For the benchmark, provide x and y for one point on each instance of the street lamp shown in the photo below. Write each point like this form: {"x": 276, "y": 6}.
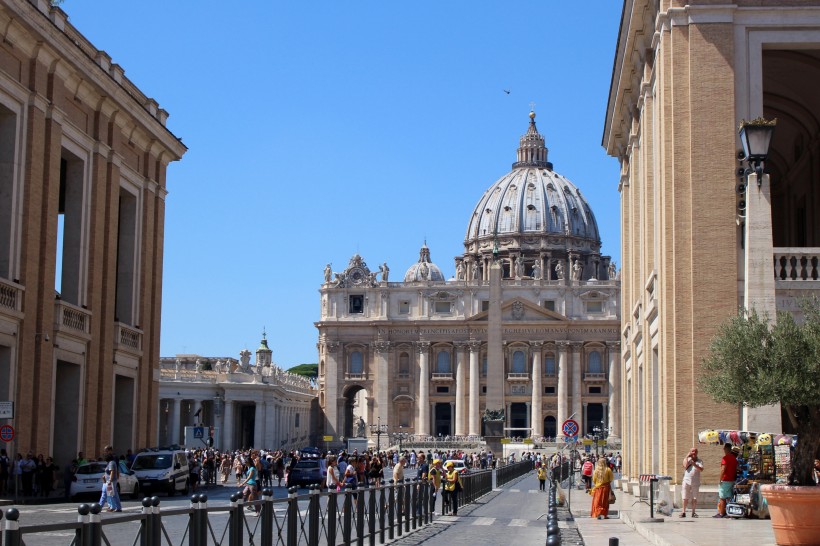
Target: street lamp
{"x": 400, "y": 436}
{"x": 756, "y": 136}
{"x": 597, "y": 435}
{"x": 378, "y": 430}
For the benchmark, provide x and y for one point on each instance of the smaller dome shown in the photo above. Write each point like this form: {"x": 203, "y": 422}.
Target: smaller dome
{"x": 424, "y": 269}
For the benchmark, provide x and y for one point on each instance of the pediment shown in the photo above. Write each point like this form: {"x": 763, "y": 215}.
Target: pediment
{"x": 520, "y": 310}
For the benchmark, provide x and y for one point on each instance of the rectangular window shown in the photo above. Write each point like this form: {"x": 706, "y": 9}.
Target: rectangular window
{"x": 484, "y": 389}
{"x": 549, "y": 305}
{"x": 444, "y": 307}
{"x": 296, "y": 421}
{"x": 356, "y": 304}
{"x": 549, "y": 390}
{"x": 485, "y": 305}
{"x": 8, "y": 195}
{"x": 595, "y": 307}
{"x": 404, "y": 307}
{"x": 595, "y": 390}
{"x": 126, "y": 259}
{"x": 442, "y": 390}
{"x": 70, "y": 228}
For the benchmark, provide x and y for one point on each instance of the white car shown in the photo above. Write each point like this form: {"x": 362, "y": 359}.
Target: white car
{"x": 88, "y": 480}
{"x": 458, "y": 465}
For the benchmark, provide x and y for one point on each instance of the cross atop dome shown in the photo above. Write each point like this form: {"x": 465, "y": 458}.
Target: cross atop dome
{"x": 532, "y": 152}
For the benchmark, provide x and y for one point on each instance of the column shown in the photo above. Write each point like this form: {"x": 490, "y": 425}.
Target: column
{"x": 173, "y": 422}
{"x": 452, "y": 411}
{"x": 227, "y": 429}
{"x": 576, "y": 385}
{"x": 508, "y": 420}
{"x": 758, "y": 287}
{"x": 382, "y": 383}
{"x": 461, "y": 368}
{"x": 536, "y": 418}
{"x": 529, "y": 419}
{"x": 258, "y": 421}
{"x": 423, "y": 423}
{"x": 584, "y": 421}
{"x": 332, "y": 425}
{"x": 614, "y": 418}
{"x": 495, "y": 344}
{"x": 563, "y": 395}
{"x": 474, "y": 420}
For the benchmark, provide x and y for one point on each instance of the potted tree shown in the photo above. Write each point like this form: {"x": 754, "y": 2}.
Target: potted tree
{"x": 755, "y": 363}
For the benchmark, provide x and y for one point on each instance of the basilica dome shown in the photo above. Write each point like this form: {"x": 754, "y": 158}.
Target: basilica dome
{"x": 534, "y": 215}
{"x": 424, "y": 269}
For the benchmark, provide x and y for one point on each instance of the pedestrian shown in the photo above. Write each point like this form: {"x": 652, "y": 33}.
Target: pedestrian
{"x": 332, "y": 481}
{"x": 110, "y": 479}
{"x": 421, "y": 474}
{"x": 435, "y": 475}
{"x": 586, "y": 473}
{"x": 602, "y": 489}
{"x": 728, "y": 474}
{"x": 250, "y": 482}
{"x": 452, "y": 485}
{"x": 541, "y": 472}
{"x": 816, "y": 471}
{"x": 398, "y": 478}
{"x": 692, "y": 467}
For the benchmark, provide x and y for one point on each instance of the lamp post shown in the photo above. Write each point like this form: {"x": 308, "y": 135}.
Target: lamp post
{"x": 759, "y": 282}
{"x": 400, "y": 436}
{"x": 378, "y": 429}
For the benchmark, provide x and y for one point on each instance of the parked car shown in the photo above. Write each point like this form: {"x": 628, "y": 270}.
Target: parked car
{"x": 308, "y": 471}
{"x": 88, "y": 480}
{"x": 162, "y": 470}
{"x": 458, "y": 465}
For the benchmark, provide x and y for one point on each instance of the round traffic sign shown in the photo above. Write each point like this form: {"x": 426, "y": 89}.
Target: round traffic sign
{"x": 570, "y": 427}
{"x": 7, "y": 433}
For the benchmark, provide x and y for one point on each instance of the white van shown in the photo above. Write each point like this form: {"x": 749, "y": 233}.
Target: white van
{"x": 162, "y": 470}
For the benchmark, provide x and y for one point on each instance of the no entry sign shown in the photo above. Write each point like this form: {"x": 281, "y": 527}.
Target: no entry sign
{"x": 570, "y": 427}
{"x": 7, "y": 433}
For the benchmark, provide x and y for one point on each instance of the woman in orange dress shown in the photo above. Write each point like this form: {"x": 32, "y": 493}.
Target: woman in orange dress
{"x": 602, "y": 486}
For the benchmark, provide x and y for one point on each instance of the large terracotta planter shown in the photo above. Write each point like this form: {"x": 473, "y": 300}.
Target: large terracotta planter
{"x": 795, "y": 513}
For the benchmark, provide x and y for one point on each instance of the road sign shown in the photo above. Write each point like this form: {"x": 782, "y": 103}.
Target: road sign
{"x": 505, "y": 440}
{"x": 7, "y": 433}
{"x": 199, "y": 432}
{"x": 6, "y": 409}
{"x": 570, "y": 427}
{"x": 587, "y": 441}
{"x": 527, "y": 440}
{"x": 327, "y": 438}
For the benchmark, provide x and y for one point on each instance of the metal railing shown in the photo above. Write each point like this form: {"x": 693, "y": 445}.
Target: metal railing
{"x": 505, "y": 474}
{"x": 352, "y": 516}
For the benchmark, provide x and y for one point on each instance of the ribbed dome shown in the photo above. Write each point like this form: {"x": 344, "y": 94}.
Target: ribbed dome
{"x": 531, "y": 200}
{"x": 424, "y": 269}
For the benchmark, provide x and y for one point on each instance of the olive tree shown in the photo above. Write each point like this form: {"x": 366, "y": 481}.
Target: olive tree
{"x": 755, "y": 363}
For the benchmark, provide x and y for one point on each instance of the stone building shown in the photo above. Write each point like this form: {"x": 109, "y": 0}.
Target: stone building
{"x": 528, "y": 323}
{"x": 83, "y": 159}
{"x": 249, "y": 404}
{"x": 701, "y": 236}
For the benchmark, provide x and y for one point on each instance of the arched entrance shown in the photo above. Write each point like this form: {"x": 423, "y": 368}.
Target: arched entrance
{"x": 355, "y": 416}
{"x": 550, "y": 427}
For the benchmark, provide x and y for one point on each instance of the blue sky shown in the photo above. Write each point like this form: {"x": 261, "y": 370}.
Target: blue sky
{"x": 320, "y": 129}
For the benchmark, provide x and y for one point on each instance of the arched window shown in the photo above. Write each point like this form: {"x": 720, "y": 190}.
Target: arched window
{"x": 443, "y": 362}
{"x": 549, "y": 365}
{"x": 322, "y": 367}
{"x": 484, "y": 365}
{"x": 595, "y": 362}
{"x": 519, "y": 362}
{"x": 356, "y": 362}
{"x": 404, "y": 364}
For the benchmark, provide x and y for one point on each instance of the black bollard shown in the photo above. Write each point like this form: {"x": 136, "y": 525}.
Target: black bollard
{"x": 613, "y": 541}
{"x": 554, "y": 540}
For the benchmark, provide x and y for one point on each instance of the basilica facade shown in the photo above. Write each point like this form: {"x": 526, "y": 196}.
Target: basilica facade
{"x": 528, "y": 324}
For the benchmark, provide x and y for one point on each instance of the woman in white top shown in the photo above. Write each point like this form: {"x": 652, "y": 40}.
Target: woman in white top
{"x": 332, "y": 482}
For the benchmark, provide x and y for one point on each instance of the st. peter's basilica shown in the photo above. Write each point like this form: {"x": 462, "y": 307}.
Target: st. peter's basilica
{"x": 529, "y": 324}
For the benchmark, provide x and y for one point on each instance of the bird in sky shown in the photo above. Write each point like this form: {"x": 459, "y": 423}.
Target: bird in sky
{"x": 507, "y": 91}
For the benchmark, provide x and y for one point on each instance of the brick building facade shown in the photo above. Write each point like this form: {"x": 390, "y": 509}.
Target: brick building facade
{"x": 83, "y": 158}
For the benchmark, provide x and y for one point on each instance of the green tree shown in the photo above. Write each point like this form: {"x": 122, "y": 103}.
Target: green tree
{"x": 756, "y": 364}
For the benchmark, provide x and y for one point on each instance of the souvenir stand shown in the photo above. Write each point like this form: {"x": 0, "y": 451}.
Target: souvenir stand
{"x": 762, "y": 458}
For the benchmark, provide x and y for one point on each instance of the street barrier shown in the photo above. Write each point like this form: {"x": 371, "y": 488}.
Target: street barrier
{"x": 505, "y": 474}
{"x": 352, "y": 516}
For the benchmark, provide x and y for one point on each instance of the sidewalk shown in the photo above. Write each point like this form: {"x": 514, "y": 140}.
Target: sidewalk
{"x": 668, "y": 531}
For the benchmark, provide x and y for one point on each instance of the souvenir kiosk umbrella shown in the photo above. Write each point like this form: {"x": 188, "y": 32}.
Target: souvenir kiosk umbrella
{"x": 762, "y": 458}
